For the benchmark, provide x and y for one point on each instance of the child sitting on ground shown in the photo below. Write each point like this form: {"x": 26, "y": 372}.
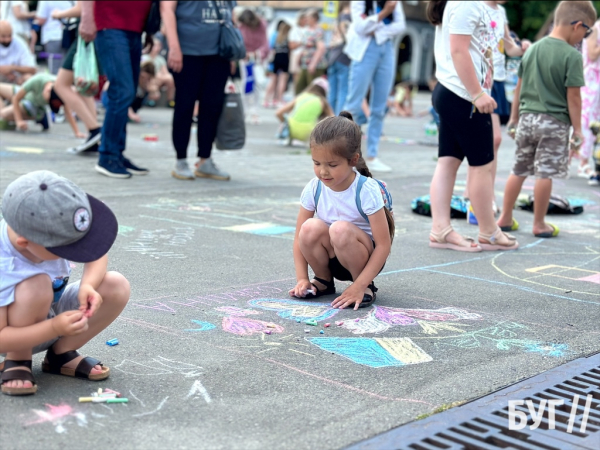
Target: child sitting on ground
{"x": 548, "y": 100}
{"x": 49, "y": 221}
{"x": 32, "y": 98}
{"x": 305, "y": 111}
{"x": 344, "y": 228}
{"x": 400, "y": 102}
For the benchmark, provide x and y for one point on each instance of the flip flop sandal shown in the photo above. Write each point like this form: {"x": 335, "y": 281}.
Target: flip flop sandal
{"x": 83, "y": 370}
{"x": 368, "y": 300}
{"x": 549, "y": 234}
{"x": 17, "y": 374}
{"x": 514, "y": 226}
{"x": 329, "y": 289}
{"x": 441, "y": 242}
{"x": 492, "y": 245}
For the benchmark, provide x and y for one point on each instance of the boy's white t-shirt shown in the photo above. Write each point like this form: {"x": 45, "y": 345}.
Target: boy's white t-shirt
{"x": 498, "y": 22}
{"x": 52, "y": 30}
{"x": 14, "y": 268}
{"x": 334, "y": 206}
{"x": 466, "y": 18}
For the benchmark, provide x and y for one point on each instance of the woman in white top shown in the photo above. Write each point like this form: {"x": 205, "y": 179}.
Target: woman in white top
{"x": 369, "y": 46}
{"x": 464, "y": 40}
{"x": 17, "y": 13}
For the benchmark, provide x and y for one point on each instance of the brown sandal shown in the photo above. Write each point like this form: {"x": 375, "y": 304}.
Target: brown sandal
{"x": 17, "y": 374}
{"x": 441, "y": 242}
{"x": 83, "y": 370}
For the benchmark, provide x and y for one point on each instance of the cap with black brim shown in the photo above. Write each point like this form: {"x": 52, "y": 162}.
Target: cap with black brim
{"x": 97, "y": 241}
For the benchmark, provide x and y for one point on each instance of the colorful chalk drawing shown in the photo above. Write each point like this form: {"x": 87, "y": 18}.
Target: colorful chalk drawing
{"x": 204, "y": 326}
{"x": 159, "y": 366}
{"x": 158, "y": 243}
{"x": 58, "y": 416}
{"x": 569, "y": 273}
{"x": 125, "y": 230}
{"x": 503, "y": 336}
{"x": 235, "y": 311}
{"x": 431, "y": 321}
{"x": 376, "y": 353}
{"x": 296, "y": 309}
{"x": 247, "y": 327}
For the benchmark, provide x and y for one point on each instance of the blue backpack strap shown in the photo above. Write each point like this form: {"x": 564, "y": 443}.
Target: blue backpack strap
{"x": 361, "y": 182}
{"x": 317, "y": 194}
{"x": 387, "y": 196}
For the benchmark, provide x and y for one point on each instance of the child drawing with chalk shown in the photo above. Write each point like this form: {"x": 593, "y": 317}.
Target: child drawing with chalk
{"x": 345, "y": 226}
{"x": 47, "y": 222}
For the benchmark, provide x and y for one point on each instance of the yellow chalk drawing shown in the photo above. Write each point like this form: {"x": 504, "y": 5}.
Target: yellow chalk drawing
{"x": 250, "y": 227}
{"x": 34, "y": 150}
{"x": 404, "y": 350}
{"x": 582, "y": 272}
{"x": 434, "y": 327}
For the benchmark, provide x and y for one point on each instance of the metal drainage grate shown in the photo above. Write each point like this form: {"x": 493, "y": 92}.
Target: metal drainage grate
{"x": 484, "y": 423}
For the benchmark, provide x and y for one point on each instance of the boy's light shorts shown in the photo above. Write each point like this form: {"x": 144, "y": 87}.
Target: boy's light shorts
{"x": 542, "y": 147}
{"x": 68, "y": 302}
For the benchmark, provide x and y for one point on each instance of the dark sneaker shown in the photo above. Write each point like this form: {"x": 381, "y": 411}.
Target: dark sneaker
{"x": 112, "y": 169}
{"x": 594, "y": 180}
{"x": 135, "y": 170}
{"x": 44, "y": 122}
{"x": 210, "y": 170}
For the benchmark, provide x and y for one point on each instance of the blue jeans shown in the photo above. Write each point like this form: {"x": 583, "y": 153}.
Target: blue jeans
{"x": 119, "y": 52}
{"x": 337, "y": 75}
{"x": 376, "y": 70}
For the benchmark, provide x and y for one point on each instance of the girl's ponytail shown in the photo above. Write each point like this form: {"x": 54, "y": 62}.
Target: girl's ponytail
{"x": 362, "y": 168}
{"x": 435, "y": 11}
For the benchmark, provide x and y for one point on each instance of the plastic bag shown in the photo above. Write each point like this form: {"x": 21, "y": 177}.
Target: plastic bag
{"x": 85, "y": 68}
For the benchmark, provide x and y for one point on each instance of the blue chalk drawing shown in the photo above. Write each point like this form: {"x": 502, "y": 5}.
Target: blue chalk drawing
{"x": 204, "y": 326}
{"x": 296, "y": 309}
{"x": 557, "y": 350}
{"x": 273, "y": 230}
{"x": 364, "y": 351}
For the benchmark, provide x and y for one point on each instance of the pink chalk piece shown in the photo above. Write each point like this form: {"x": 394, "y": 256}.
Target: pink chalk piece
{"x": 327, "y": 325}
{"x": 110, "y": 391}
{"x": 357, "y": 320}
{"x": 267, "y": 331}
{"x": 592, "y": 278}
{"x": 339, "y": 323}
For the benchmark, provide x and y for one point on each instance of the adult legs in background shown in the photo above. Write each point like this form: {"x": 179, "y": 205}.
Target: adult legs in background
{"x": 112, "y": 47}
{"x": 590, "y": 112}
{"x": 270, "y": 96}
{"x": 55, "y": 55}
{"x": 282, "y": 82}
{"x": 333, "y": 87}
{"x": 359, "y": 80}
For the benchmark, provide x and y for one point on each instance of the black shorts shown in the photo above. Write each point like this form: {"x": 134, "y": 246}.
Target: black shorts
{"x": 499, "y": 94}
{"x": 281, "y": 63}
{"x": 460, "y": 134}
{"x": 340, "y": 272}
{"x": 68, "y": 61}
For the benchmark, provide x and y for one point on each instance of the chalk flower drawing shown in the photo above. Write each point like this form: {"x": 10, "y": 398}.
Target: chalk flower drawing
{"x": 245, "y": 327}
{"x": 296, "y": 309}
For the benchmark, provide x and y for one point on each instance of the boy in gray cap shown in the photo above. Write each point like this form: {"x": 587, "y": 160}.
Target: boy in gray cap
{"x": 49, "y": 221}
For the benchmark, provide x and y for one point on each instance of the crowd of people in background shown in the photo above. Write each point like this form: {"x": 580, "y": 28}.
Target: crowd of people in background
{"x": 303, "y": 69}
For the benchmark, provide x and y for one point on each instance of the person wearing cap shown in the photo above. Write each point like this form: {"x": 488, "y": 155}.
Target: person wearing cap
{"x": 301, "y": 115}
{"x": 47, "y": 222}
{"x": 32, "y": 98}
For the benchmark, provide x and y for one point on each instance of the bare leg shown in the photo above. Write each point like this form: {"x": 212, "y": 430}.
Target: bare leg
{"x": 6, "y": 91}
{"x": 282, "y": 81}
{"x": 64, "y": 88}
{"x": 352, "y": 246}
{"x": 33, "y": 299}
{"x": 7, "y": 113}
{"x": 541, "y": 194}
{"x": 440, "y": 193}
{"x": 270, "y": 91}
{"x": 497, "y": 142}
{"x": 316, "y": 248}
{"x": 511, "y": 192}
{"x": 114, "y": 290}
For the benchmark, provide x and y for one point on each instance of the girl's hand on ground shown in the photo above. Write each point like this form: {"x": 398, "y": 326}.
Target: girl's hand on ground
{"x": 353, "y": 295}
{"x": 301, "y": 289}
{"x": 70, "y": 323}
{"x": 89, "y": 300}
{"x": 486, "y": 104}
{"x": 21, "y": 125}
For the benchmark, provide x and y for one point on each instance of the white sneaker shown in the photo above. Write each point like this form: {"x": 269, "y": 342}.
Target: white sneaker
{"x": 377, "y": 166}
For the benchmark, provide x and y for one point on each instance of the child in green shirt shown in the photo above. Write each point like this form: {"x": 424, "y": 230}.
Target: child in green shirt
{"x": 547, "y": 103}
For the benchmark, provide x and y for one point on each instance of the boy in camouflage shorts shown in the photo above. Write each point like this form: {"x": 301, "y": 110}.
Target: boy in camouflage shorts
{"x": 547, "y": 103}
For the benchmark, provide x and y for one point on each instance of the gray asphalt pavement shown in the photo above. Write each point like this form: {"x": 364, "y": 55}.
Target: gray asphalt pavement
{"x": 210, "y": 264}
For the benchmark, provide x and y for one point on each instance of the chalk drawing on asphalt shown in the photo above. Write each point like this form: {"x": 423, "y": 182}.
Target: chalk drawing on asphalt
{"x": 202, "y": 326}
{"x": 296, "y": 309}
{"x": 243, "y": 326}
{"x": 374, "y": 352}
{"x": 235, "y": 311}
{"x": 158, "y": 366}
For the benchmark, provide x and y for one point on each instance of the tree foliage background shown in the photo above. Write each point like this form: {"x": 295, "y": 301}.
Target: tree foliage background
{"x": 528, "y": 17}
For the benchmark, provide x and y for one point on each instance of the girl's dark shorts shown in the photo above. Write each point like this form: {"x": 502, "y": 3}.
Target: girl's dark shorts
{"x": 499, "y": 94}
{"x": 340, "y": 272}
{"x": 462, "y": 135}
{"x": 281, "y": 63}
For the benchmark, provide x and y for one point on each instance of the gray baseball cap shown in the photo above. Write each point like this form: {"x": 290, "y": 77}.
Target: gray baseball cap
{"x": 55, "y": 213}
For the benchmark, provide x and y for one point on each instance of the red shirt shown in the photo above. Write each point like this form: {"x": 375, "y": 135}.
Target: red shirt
{"x": 121, "y": 14}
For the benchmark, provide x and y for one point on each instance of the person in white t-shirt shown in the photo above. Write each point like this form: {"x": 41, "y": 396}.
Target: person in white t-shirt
{"x": 504, "y": 45}
{"x": 18, "y": 63}
{"x": 464, "y": 40}
{"x": 17, "y": 13}
{"x": 344, "y": 228}
{"x": 52, "y": 31}
{"x": 295, "y": 41}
